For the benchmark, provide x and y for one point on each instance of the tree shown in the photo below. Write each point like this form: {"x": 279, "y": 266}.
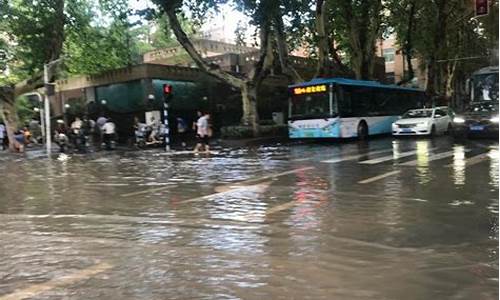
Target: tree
{"x": 264, "y": 18}
{"x": 361, "y": 22}
{"x": 329, "y": 62}
{"x": 240, "y": 33}
{"x": 37, "y": 34}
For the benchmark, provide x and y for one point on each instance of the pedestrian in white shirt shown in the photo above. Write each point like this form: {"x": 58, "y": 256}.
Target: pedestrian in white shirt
{"x": 203, "y": 133}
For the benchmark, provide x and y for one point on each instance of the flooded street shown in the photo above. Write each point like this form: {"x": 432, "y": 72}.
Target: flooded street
{"x": 385, "y": 219}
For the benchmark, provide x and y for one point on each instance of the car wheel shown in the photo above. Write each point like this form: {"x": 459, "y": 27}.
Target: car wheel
{"x": 362, "y": 131}
{"x": 433, "y": 131}
{"x": 449, "y": 130}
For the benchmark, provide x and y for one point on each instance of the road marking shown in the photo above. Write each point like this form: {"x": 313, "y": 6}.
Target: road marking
{"x": 472, "y": 160}
{"x": 256, "y": 188}
{"x": 382, "y": 176}
{"x": 351, "y": 194}
{"x": 431, "y": 158}
{"x": 281, "y": 207}
{"x": 231, "y": 185}
{"x": 37, "y": 289}
{"x": 390, "y": 157}
{"x": 352, "y": 157}
{"x": 272, "y": 176}
{"x": 146, "y": 191}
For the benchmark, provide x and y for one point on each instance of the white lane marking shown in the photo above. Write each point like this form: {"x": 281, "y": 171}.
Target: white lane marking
{"x": 36, "y": 289}
{"x": 281, "y": 207}
{"x": 352, "y": 157}
{"x": 231, "y": 184}
{"x": 473, "y": 160}
{"x": 146, "y": 191}
{"x": 431, "y": 158}
{"x": 382, "y": 176}
{"x": 253, "y": 188}
{"x": 274, "y": 175}
{"x": 390, "y": 157}
{"x": 351, "y": 194}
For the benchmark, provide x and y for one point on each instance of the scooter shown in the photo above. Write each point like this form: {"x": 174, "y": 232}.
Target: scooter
{"x": 62, "y": 141}
{"x": 143, "y": 137}
{"x": 109, "y": 142}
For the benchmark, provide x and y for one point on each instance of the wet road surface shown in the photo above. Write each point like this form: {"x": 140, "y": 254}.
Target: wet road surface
{"x": 385, "y": 219}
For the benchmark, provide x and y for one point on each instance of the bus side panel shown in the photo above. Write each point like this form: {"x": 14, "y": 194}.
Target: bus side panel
{"x": 380, "y": 125}
{"x": 349, "y": 127}
{"x": 376, "y": 125}
{"x": 315, "y": 128}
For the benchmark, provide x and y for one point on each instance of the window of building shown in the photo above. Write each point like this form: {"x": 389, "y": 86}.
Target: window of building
{"x": 389, "y": 54}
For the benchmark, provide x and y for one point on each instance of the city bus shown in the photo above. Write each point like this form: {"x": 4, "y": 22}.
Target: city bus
{"x": 346, "y": 108}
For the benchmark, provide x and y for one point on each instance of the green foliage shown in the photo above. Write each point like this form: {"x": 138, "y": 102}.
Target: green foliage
{"x": 25, "y": 110}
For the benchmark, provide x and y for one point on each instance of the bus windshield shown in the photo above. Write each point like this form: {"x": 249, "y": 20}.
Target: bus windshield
{"x": 310, "y": 106}
{"x": 485, "y": 87}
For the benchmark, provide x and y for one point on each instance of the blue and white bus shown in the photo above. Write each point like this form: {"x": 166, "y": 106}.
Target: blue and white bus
{"x": 346, "y": 108}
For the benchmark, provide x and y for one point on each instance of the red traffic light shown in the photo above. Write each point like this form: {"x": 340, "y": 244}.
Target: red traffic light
{"x": 167, "y": 89}
{"x": 481, "y": 7}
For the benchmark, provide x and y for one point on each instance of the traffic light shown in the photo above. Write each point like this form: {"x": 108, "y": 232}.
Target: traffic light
{"x": 167, "y": 89}
{"x": 481, "y": 7}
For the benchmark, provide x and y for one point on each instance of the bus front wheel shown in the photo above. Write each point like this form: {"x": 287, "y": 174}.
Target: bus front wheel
{"x": 362, "y": 130}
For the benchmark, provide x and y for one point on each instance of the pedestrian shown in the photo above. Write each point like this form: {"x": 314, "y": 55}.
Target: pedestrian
{"x": 155, "y": 127}
{"x": 101, "y": 121}
{"x": 36, "y": 131}
{"x": 182, "y": 129}
{"x": 19, "y": 140}
{"x": 109, "y": 133}
{"x": 3, "y": 133}
{"x": 202, "y": 134}
{"x": 27, "y": 135}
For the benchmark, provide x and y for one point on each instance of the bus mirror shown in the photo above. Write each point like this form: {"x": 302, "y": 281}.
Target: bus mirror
{"x": 467, "y": 86}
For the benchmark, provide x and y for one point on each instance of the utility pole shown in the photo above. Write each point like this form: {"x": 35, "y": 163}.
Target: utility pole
{"x": 167, "y": 95}
{"x": 48, "y": 90}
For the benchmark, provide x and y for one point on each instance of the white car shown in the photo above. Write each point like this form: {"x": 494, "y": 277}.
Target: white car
{"x": 425, "y": 121}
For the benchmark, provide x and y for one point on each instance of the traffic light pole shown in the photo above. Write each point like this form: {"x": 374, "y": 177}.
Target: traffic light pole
{"x": 165, "y": 121}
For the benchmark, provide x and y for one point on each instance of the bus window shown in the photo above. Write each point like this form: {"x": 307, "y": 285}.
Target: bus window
{"x": 312, "y": 105}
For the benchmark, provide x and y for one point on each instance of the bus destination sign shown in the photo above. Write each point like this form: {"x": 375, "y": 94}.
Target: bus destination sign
{"x": 309, "y": 89}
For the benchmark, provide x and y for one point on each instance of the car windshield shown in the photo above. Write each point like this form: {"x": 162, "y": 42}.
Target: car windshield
{"x": 421, "y": 113}
{"x": 484, "y": 107}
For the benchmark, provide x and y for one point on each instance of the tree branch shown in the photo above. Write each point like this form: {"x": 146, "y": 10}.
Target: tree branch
{"x": 193, "y": 53}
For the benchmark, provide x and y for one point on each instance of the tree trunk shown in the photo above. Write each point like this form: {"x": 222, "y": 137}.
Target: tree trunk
{"x": 408, "y": 46}
{"x": 286, "y": 66}
{"x": 248, "y": 87}
{"x": 323, "y": 67}
{"x": 249, "y": 93}
{"x": 439, "y": 37}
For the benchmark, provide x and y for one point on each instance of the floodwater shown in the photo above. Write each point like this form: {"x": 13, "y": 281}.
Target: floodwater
{"x": 386, "y": 219}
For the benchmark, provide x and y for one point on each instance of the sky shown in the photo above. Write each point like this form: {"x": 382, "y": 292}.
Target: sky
{"x": 225, "y": 21}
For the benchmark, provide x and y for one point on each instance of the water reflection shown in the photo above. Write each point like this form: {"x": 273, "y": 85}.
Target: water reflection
{"x": 494, "y": 168}
{"x": 459, "y": 165}
{"x": 423, "y": 175}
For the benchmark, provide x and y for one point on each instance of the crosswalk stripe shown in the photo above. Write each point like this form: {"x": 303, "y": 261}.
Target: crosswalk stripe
{"x": 473, "y": 160}
{"x": 390, "y": 157}
{"x": 352, "y": 157}
{"x": 382, "y": 176}
{"x": 431, "y": 158}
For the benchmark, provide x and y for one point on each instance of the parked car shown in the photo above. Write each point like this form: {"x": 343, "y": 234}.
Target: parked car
{"x": 480, "y": 119}
{"x": 424, "y": 121}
